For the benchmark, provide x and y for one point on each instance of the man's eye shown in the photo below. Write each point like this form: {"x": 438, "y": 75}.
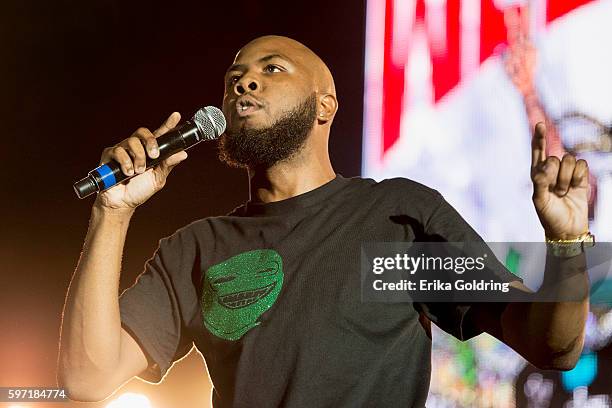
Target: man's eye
{"x": 272, "y": 68}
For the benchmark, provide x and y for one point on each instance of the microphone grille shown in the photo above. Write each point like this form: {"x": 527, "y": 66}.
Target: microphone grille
{"x": 211, "y": 122}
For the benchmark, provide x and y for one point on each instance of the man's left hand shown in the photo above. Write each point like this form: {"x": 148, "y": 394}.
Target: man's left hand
{"x": 560, "y": 190}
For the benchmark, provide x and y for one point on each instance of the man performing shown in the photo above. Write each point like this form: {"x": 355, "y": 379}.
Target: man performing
{"x": 270, "y": 294}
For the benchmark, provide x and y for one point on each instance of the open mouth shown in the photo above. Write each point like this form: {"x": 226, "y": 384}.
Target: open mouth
{"x": 245, "y": 298}
{"x": 245, "y": 106}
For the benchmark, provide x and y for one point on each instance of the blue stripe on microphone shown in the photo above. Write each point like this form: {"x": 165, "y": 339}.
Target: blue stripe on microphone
{"x": 107, "y": 176}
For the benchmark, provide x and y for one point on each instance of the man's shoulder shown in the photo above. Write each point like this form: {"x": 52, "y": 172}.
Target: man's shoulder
{"x": 396, "y": 187}
{"x": 193, "y": 231}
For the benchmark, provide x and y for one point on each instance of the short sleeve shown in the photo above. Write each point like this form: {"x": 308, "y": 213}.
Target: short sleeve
{"x": 158, "y": 308}
{"x": 446, "y": 224}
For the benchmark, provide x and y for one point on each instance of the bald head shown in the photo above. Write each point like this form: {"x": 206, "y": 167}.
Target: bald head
{"x": 320, "y": 75}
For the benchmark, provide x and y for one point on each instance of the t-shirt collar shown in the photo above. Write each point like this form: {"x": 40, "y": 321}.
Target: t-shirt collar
{"x": 303, "y": 200}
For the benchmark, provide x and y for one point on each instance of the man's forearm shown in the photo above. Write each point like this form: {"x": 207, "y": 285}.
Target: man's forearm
{"x": 549, "y": 331}
{"x": 91, "y": 326}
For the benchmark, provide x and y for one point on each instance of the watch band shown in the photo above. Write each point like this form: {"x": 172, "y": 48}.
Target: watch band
{"x": 567, "y": 248}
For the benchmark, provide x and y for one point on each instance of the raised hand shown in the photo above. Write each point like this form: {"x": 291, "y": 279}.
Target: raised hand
{"x": 131, "y": 155}
{"x": 560, "y": 190}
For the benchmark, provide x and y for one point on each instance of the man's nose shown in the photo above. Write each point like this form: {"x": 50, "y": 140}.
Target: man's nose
{"x": 246, "y": 83}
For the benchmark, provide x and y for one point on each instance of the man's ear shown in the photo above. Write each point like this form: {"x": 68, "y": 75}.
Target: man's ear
{"x": 327, "y": 107}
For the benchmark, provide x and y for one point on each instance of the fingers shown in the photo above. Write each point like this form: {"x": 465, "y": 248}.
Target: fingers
{"x": 169, "y": 124}
{"x": 148, "y": 141}
{"x": 538, "y": 146}
{"x": 570, "y": 173}
{"x": 544, "y": 176}
{"x": 131, "y": 153}
{"x": 121, "y": 156}
{"x": 580, "y": 177}
{"x": 161, "y": 172}
{"x": 175, "y": 159}
{"x": 565, "y": 174}
{"x": 559, "y": 176}
{"x": 136, "y": 149}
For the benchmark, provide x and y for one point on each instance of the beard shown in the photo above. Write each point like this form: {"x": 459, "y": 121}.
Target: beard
{"x": 265, "y": 147}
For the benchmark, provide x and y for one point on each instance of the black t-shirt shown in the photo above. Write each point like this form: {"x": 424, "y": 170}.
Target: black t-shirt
{"x": 270, "y": 295}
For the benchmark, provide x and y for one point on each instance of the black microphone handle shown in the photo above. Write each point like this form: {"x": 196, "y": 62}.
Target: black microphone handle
{"x": 110, "y": 174}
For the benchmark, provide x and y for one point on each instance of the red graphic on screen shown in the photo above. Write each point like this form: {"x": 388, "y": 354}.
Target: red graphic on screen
{"x": 450, "y": 57}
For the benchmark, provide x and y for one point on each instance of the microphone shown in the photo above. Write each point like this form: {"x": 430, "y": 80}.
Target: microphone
{"x": 208, "y": 123}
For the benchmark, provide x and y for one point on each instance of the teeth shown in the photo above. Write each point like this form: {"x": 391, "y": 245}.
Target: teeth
{"x": 244, "y": 105}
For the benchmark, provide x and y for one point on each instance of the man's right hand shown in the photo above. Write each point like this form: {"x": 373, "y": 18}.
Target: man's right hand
{"x": 131, "y": 155}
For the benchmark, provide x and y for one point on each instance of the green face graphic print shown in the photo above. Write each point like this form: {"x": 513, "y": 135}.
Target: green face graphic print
{"x": 238, "y": 290}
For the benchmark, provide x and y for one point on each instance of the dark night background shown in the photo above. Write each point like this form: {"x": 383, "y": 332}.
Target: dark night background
{"x": 77, "y": 76}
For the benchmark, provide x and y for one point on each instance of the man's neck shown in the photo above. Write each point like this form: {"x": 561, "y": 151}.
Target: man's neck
{"x": 289, "y": 179}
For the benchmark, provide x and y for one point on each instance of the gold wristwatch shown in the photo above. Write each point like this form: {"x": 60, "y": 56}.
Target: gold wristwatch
{"x": 567, "y": 248}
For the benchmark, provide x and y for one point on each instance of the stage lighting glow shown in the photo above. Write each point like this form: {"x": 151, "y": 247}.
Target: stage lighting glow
{"x": 130, "y": 400}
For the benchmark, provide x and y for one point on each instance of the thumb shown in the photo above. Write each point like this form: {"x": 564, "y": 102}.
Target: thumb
{"x": 166, "y": 166}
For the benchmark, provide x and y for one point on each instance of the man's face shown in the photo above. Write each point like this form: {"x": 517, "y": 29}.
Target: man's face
{"x": 268, "y": 102}
{"x": 267, "y": 77}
